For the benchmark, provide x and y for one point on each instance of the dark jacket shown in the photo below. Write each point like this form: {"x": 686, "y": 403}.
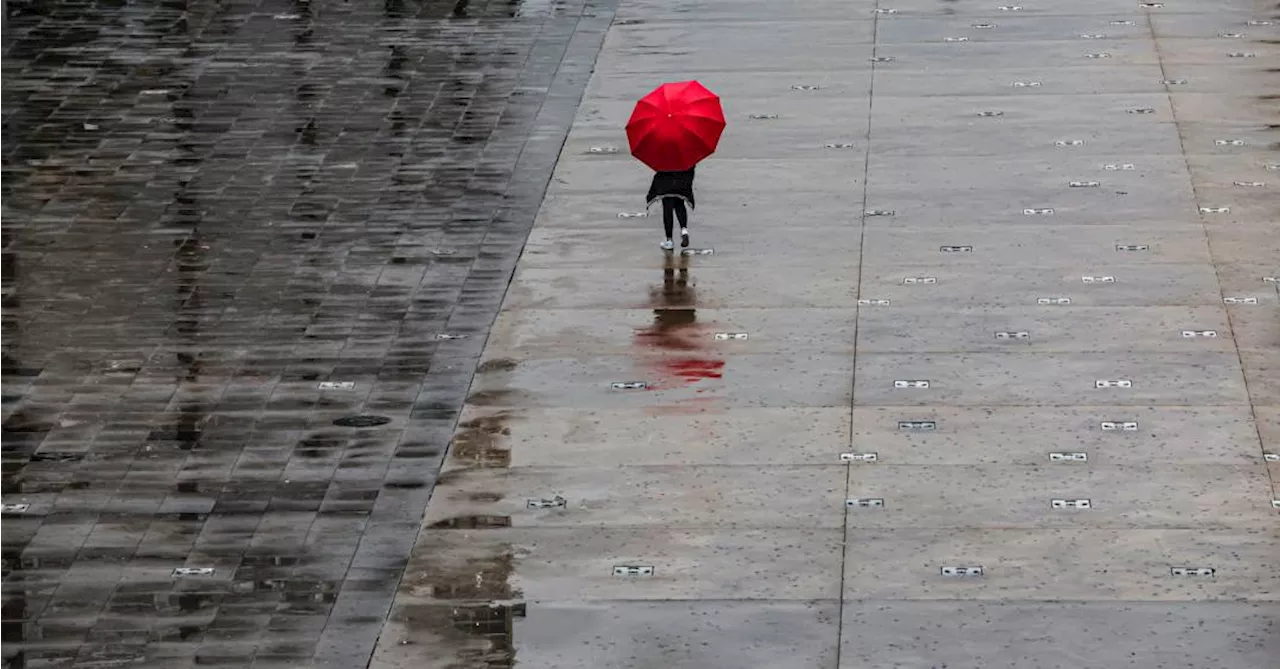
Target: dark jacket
{"x": 672, "y": 184}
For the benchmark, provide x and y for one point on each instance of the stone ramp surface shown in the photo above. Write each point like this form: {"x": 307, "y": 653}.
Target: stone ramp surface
{"x": 981, "y": 371}
{"x": 973, "y": 362}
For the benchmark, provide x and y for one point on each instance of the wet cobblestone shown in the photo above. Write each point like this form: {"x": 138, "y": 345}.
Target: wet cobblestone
{"x": 210, "y": 209}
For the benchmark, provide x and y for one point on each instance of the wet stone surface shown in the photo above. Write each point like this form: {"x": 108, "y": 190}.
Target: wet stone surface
{"x": 210, "y": 210}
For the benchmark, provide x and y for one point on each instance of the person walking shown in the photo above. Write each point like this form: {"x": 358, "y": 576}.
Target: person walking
{"x": 675, "y": 189}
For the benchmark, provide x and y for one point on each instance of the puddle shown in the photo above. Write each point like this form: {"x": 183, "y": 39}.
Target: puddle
{"x": 362, "y": 421}
{"x": 463, "y": 572}
{"x": 490, "y": 397}
{"x": 672, "y": 330}
{"x": 470, "y": 624}
{"x": 676, "y": 328}
{"x": 480, "y": 442}
{"x": 676, "y": 289}
{"x": 693, "y": 370}
{"x": 471, "y": 635}
{"x": 472, "y": 523}
{"x": 497, "y": 365}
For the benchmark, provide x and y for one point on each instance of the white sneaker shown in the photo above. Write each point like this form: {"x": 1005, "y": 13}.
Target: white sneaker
{"x": 668, "y": 244}
{"x": 684, "y": 238}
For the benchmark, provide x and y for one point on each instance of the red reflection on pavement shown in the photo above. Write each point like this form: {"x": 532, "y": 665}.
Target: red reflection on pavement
{"x": 694, "y": 369}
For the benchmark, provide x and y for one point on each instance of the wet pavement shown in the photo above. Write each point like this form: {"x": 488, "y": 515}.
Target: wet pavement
{"x": 973, "y": 362}
{"x": 251, "y": 255}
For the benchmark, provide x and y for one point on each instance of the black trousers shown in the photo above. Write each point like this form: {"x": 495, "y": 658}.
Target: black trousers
{"x": 673, "y": 206}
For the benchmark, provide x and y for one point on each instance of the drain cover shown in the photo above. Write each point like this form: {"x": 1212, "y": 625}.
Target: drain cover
{"x": 362, "y": 421}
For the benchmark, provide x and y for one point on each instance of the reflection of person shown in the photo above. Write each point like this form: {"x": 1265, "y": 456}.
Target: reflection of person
{"x": 677, "y": 290}
{"x": 675, "y": 189}
{"x": 675, "y": 318}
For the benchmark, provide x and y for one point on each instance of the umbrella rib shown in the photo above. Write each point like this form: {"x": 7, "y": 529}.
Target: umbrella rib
{"x": 706, "y": 146}
{"x": 712, "y": 115}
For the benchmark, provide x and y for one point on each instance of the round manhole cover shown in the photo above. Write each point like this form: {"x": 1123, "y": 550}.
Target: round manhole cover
{"x": 362, "y": 421}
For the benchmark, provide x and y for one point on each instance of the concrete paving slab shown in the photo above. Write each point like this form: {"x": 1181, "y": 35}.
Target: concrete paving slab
{"x": 755, "y": 140}
{"x": 549, "y": 437}
{"x": 718, "y": 208}
{"x": 795, "y": 112}
{"x": 1234, "y": 19}
{"x": 1046, "y": 55}
{"x": 762, "y": 54}
{"x": 710, "y": 288}
{"x": 880, "y": 634}
{"x": 1149, "y": 285}
{"x": 1004, "y": 497}
{"x": 1247, "y": 210}
{"x": 1248, "y": 280}
{"x": 1018, "y": 28}
{"x": 686, "y": 635}
{"x": 1082, "y": 246}
{"x": 591, "y": 635}
{"x": 1037, "y": 330}
{"x": 1202, "y": 78}
{"x": 683, "y": 497}
{"x": 1212, "y": 107}
{"x": 1268, "y": 418}
{"x": 1051, "y": 170}
{"x": 995, "y": 379}
{"x": 1255, "y": 329}
{"x": 1244, "y": 242}
{"x": 1177, "y": 51}
{"x": 701, "y": 379}
{"x": 656, "y": 11}
{"x": 810, "y": 176}
{"x": 589, "y": 301}
{"x": 1223, "y": 171}
{"x": 527, "y": 333}
{"x": 1062, "y": 565}
{"x": 1252, "y": 144}
{"x": 1085, "y": 7}
{"x": 700, "y": 39}
{"x": 1262, "y": 372}
{"x": 1060, "y": 208}
{"x": 578, "y": 564}
{"x": 819, "y": 85}
{"x": 1268, "y": 424}
{"x": 736, "y": 246}
{"x": 984, "y": 138}
{"x": 1027, "y": 435}
{"x": 1059, "y": 81}
{"x": 1109, "y": 113}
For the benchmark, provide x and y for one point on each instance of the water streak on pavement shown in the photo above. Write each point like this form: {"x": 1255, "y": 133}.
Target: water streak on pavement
{"x": 209, "y": 209}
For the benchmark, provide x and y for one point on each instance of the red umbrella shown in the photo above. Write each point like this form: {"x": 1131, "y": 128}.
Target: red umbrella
{"x": 675, "y": 126}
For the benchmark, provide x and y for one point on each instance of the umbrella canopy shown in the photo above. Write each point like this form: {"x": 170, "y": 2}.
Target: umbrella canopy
{"x": 675, "y": 126}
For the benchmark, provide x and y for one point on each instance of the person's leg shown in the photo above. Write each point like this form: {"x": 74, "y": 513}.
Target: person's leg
{"x": 683, "y": 214}
{"x": 668, "y": 212}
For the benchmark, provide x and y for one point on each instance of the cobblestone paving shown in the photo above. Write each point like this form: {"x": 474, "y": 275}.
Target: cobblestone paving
{"x": 211, "y": 209}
